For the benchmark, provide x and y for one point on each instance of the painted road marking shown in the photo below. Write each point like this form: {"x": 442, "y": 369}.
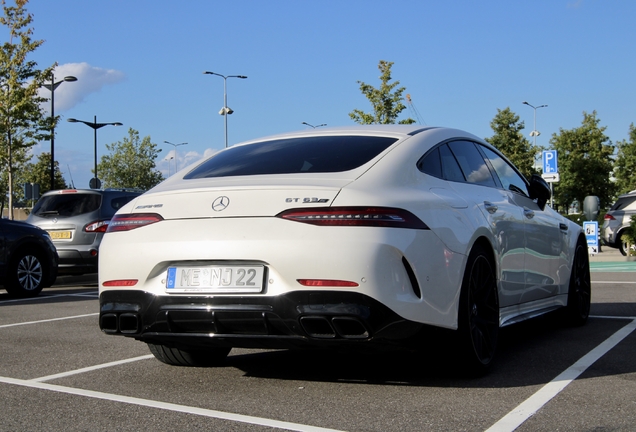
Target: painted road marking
{"x": 530, "y": 406}
{"x": 48, "y": 320}
{"x": 259, "y": 421}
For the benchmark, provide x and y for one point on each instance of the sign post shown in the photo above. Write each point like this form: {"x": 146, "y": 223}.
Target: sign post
{"x": 550, "y": 170}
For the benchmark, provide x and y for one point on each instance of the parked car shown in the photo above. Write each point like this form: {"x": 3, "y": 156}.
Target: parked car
{"x": 366, "y": 236}
{"x": 28, "y": 260}
{"x": 77, "y": 219}
{"x": 617, "y": 219}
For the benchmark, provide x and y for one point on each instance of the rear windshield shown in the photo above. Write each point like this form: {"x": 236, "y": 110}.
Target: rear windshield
{"x": 322, "y": 154}
{"x": 623, "y": 202}
{"x": 67, "y": 205}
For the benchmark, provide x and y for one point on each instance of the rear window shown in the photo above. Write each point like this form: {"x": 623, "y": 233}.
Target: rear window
{"x": 322, "y": 154}
{"x": 623, "y": 202}
{"x": 67, "y": 205}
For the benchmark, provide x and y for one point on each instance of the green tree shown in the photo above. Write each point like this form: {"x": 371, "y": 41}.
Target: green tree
{"x": 22, "y": 120}
{"x": 40, "y": 172}
{"x": 386, "y": 101}
{"x": 131, "y": 163}
{"x": 585, "y": 163}
{"x": 625, "y": 165}
{"x": 509, "y": 140}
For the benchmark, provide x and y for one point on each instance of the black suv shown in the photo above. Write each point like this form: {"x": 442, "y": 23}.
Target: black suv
{"x": 28, "y": 261}
{"x": 77, "y": 219}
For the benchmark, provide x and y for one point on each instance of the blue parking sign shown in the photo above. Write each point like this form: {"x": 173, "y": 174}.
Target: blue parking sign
{"x": 550, "y": 162}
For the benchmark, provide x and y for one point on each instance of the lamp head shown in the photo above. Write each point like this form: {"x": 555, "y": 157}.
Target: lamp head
{"x": 70, "y": 78}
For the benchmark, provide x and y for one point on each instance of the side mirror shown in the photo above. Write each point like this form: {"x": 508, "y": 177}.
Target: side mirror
{"x": 539, "y": 190}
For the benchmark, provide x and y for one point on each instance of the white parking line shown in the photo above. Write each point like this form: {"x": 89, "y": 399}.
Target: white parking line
{"x": 167, "y": 406}
{"x": 530, "y": 406}
{"x": 92, "y": 368}
{"x": 48, "y": 320}
{"x": 47, "y": 296}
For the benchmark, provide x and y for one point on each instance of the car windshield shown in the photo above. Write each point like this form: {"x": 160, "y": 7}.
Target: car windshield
{"x": 322, "y": 154}
{"x": 67, "y": 204}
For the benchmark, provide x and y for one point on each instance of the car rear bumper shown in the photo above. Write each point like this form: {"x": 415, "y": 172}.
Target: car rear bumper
{"x": 320, "y": 319}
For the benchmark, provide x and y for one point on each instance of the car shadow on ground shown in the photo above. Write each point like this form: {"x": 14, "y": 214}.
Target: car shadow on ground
{"x": 51, "y": 296}
{"x": 530, "y": 353}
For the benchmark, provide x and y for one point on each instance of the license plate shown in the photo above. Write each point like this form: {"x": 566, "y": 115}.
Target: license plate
{"x": 60, "y": 235}
{"x": 215, "y": 279}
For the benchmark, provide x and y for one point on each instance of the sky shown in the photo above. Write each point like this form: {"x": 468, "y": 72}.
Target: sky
{"x": 141, "y": 63}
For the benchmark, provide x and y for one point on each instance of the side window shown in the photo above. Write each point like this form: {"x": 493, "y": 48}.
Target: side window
{"x": 509, "y": 177}
{"x": 431, "y": 164}
{"x": 472, "y": 163}
{"x": 450, "y": 169}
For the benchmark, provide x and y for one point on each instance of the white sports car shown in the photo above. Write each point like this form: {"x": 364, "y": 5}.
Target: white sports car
{"x": 340, "y": 237}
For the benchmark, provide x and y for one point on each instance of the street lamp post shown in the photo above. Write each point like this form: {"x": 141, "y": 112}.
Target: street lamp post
{"x": 52, "y": 88}
{"x": 535, "y": 133}
{"x": 176, "y": 166}
{"x": 324, "y": 124}
{"x": 95, "y": 183}
{"x": 225, "y": 111}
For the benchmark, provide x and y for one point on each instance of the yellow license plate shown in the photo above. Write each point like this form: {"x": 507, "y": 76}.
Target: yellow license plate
{"x": 60, "y": 235}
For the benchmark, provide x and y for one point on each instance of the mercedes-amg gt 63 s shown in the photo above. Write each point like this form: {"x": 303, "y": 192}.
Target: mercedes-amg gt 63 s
{"x": 363, "y": 236}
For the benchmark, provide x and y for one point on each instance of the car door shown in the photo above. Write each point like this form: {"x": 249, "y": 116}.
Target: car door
{"x": 544, "y": 242}
{"x": 504, "y": 217}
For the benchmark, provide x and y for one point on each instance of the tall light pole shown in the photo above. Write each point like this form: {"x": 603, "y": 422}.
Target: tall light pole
{"x": 317, "y": 126}
{"x": 176, "y": 166}
{"x": 535, "y": 133}
{"x": 95, "y": 183}
{"x": 225, "y": 111}
{"x": 52, "y": 88}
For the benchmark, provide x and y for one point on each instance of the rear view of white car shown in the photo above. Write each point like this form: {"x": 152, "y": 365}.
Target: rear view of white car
{"x": 340, "y": 237}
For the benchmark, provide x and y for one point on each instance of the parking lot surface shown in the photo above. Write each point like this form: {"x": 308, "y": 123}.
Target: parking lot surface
{"x": 59, "y": 372}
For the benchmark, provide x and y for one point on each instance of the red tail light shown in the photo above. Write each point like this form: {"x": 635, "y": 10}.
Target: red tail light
{"x": 355, "y": 216}
{"x": 120, "y": 282}
{"x": 326, "y": 283}
{"x": 98, "y": 226}
{"x": 127, "y": 222}
{"x": 609, "y": 217}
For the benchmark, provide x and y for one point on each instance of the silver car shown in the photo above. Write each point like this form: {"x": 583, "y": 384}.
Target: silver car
{"x": 617, "y": 219}
{"x": 76, "y": 220}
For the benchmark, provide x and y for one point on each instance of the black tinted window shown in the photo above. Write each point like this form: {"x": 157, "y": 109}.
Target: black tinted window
{"x": 119, "y": 202}
{"x": 472, "y": 163}
{"x": 450, "y": 168}
{"x": 71, "y": 204}
{"x": 295, "y": 155}
{"x": 510, "y": 179}
{"x": 431, "y": 164}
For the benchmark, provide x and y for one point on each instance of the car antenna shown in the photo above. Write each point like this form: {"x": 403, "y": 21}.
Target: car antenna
{"x": 71, "y": 176}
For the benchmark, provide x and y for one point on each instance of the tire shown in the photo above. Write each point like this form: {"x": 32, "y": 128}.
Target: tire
{"x": 478, "y": 313}
{"x": 580, "y": 289}
{"x": 27, "y": 274}
{"x": 622, "y": 246}
{"x": 195, "y": 358}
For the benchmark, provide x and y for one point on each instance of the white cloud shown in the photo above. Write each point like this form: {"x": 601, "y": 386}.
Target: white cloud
{"x": 90, "y": 79}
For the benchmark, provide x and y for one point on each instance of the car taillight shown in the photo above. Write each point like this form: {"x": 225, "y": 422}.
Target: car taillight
{"x": 98, "y": 226}
{"x": 326, "y": 283}
{"x": 355, "y": 216}
{"x": 609, "y": 217}
{"x": 127, "y": 222}
{"x": 120, "y": 282}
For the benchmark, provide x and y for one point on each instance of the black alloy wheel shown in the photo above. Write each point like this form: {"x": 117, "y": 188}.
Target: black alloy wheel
{"x": 27, "y": 274}
{"x": 478, "y": 313}
{"x": 580, "y": 290}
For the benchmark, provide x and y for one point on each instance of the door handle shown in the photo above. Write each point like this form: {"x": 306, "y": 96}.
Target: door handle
{"x": 490, "y": 207}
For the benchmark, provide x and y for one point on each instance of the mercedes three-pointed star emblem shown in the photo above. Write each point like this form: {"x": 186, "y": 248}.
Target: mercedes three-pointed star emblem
{"x": 220, "y": 203}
